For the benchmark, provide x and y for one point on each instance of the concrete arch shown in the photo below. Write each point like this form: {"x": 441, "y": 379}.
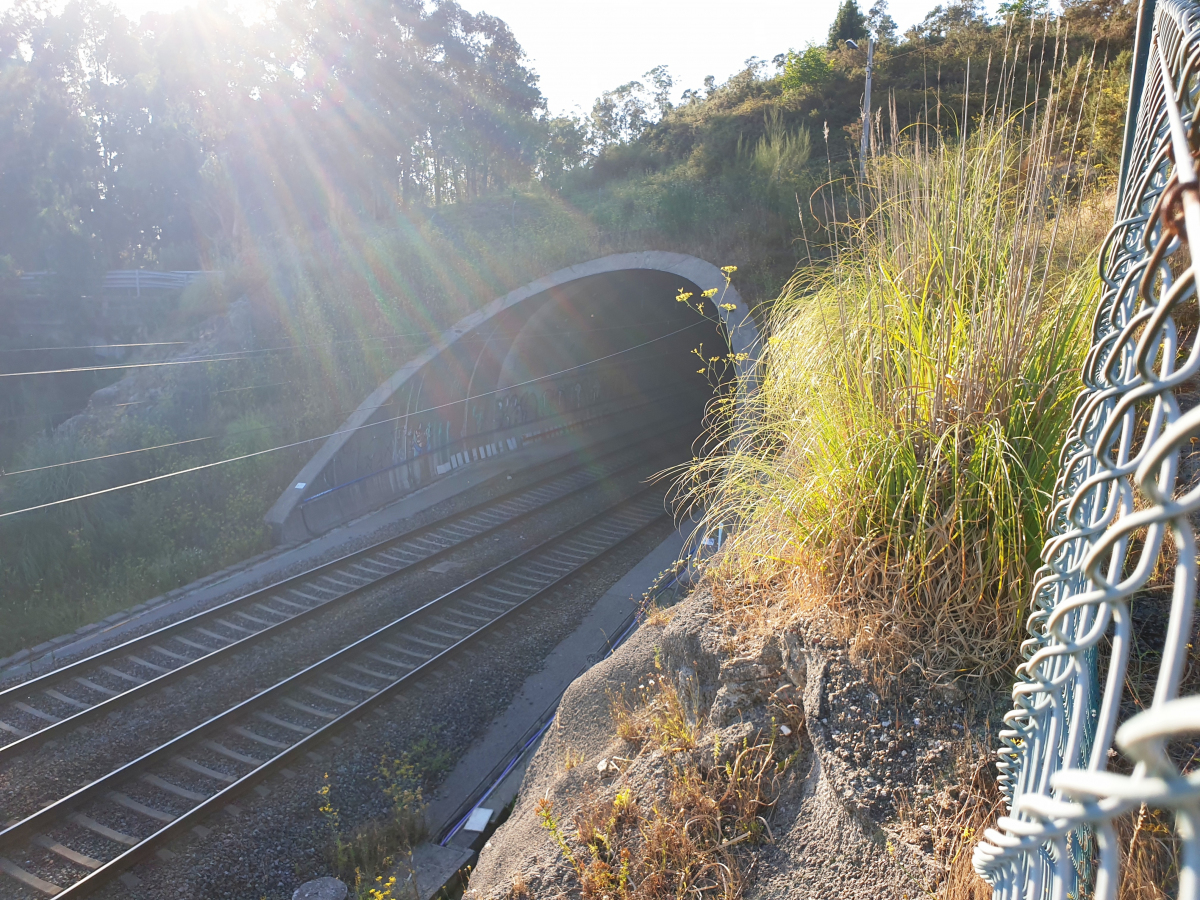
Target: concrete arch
{"x": 467, "y": 361}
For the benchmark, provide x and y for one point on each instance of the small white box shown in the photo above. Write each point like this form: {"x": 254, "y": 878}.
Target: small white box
{"x": 479, "y": 819}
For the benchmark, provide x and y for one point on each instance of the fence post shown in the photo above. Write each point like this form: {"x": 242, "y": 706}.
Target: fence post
{"x": 1137, "y": 81}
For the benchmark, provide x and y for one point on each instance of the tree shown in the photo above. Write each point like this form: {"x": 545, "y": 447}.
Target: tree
{"x": 954, "y": 16}
{"x": 663, "y": 82}
{"x": 881, "y": 24}
{"x": 1102, "y": 20}
{"x": 620, "y": 115}
{"x": 808, "y": 69}
{"x": 849, "y": 25}
{"x": 1023, "y": 9}
{"x": 565, "y": 148}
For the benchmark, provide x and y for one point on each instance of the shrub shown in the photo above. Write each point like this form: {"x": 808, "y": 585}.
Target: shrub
{"x": 891, "y": 460}
{"x": 808, "y": 69}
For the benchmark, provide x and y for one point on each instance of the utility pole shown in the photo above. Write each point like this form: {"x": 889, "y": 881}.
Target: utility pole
{"x": 866, "y": 129}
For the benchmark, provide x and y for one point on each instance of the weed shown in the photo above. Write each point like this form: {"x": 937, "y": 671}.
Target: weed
{"x": 364, "y": 855}
{"x": 572, "y": 758}
{"x": 519, "y": 889}
{"x": 653, "y": 712}
{"x": 620, "y": 850}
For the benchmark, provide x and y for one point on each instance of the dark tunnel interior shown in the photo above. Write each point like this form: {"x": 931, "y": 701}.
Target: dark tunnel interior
{"x": 600, "y": 355}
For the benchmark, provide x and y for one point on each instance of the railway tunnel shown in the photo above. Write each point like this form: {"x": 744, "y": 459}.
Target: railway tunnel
{"x": 593, "y": 351}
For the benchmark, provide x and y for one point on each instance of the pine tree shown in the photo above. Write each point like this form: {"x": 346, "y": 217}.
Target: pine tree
{"x": 849, "y": 25}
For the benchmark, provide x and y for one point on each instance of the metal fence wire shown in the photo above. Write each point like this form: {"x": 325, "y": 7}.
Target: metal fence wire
{"x": 1121, "y": 522}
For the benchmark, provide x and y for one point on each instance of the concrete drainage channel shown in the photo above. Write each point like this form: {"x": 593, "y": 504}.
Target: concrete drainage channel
{"x": 480, "y": 794}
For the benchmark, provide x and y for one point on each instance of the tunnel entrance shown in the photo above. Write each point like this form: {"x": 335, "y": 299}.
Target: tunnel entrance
{"x": 597, "y": 350}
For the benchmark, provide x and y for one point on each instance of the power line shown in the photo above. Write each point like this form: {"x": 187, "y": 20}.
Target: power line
{"x": 208, "y": 437}
{"x": 247, "y": 354}
{"x": 74, "y": 412}
{"x": 105, "y": 456}
{"x": 69, "y": 413}
{"x": 245, "y": 456}
{"x": 93, "y": 347}
{"x": 151, "y": 365}
{"x": 73, "y": 462}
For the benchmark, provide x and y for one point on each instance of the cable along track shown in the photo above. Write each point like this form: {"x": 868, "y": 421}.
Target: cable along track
{"x": 49, "y": 705}
{"x": 79, "y": 843}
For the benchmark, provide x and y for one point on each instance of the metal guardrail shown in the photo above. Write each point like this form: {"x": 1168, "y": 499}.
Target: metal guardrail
{"x": 1121, "y": 521}
{"x": 128, "y": 281}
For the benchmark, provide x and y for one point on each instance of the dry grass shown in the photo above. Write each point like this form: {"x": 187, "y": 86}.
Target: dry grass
{"x": 519, "y": 889}
{"x": 890, "y": 459}
{"x": 572, "y": 758}
{"x": 969, "y": 808}
{"x": 949, "y": 825}
{"x": 653, "y": 713}
{"x": 1149, "y": 856}
{"x": 689, "y": 845}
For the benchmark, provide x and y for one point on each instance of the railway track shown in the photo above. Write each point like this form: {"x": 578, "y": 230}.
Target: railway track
{"x": 48, "y": 706}
{"x": 75, "y": 845}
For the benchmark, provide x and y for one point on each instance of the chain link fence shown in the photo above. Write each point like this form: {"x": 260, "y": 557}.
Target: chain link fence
{"x": 1121, "y": 524}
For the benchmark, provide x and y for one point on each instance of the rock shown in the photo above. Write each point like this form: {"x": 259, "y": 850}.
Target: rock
{"x": 691, "y": 654}
{"x": 794, "y": 661}
{"x": 321, "y": 889}
{"x": 825, "y": 823}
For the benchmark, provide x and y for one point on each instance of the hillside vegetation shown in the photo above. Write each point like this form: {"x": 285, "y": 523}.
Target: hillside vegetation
{"x": 348, "y": 233}
{"x": 892, "y": 460}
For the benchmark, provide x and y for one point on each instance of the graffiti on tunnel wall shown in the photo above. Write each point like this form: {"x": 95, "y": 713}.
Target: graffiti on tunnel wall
{"x": 416, "y": 434}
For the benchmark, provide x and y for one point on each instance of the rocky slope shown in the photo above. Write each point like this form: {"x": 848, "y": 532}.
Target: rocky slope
{"x": 760, "y": 765}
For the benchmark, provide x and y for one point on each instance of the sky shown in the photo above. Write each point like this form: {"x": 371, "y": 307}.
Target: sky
{"x": 579, "y": 50}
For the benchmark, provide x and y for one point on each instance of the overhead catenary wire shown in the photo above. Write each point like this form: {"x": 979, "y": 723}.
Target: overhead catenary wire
{"x": 68, "y": 413}
{"x": 288, "y": 446}
{"x": 93, "y": 347}
{"x": 74, "y": 462}
{"x": 240, "y": 433}
{"x": 237, "y": 355}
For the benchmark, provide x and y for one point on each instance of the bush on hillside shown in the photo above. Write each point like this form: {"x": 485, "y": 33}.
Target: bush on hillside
{"x": 891, "y": 462}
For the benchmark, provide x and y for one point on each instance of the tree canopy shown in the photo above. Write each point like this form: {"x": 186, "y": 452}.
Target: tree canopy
{"x": 177, "y": 141}
{"x": 849, "y": 25}
{"x": 170, "y": 140}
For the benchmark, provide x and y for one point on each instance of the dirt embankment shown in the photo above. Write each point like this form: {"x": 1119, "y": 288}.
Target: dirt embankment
{"x": 755, "y": 766}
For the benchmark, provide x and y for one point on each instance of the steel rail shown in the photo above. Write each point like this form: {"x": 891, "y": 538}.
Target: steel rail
{"x": 51, "y": 680}
{"x": 610, "y": 529}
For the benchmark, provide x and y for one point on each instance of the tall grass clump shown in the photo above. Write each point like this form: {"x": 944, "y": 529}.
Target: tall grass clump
{"x": 890, "y": 460}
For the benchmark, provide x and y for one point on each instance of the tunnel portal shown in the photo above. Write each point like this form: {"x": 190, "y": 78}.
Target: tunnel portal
{"x": 599, "y": 349}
